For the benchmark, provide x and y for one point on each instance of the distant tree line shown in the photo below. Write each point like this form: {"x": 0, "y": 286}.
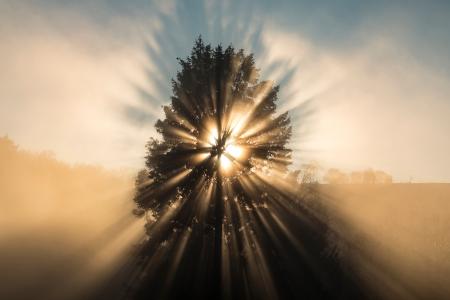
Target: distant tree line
{"x": 368, "y": 176}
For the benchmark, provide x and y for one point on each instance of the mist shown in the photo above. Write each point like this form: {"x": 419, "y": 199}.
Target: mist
{"x": 64, "y": 227}
{"x": 396, "y": 236}
{"x": 67, "y": 228}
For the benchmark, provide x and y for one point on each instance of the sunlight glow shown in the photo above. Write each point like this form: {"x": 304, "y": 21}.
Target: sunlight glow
{"x": 231, "y": 150}
{"x": 198, "y": 158}
{"x": 237, "y": 123}
{"x": 213, "y": 136}
{"x": 225, "y": 163}
{"x": 234, "y": 150}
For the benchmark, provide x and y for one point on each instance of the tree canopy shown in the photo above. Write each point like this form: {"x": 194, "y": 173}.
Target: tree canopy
{"x": 221, "y": 122}
{"x": 224, "y": 218}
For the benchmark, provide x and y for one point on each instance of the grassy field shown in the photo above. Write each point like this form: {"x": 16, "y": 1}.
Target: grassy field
{"x": 73, "y": 222}
{"x": 398, "y": 235}
{"x": 62, "y": 226}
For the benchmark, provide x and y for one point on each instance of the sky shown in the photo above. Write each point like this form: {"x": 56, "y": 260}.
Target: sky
{"x": 366, "y": 83}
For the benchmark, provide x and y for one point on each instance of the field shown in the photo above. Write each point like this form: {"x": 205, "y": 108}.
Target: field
{"x": 75, "y": 222}
{"x": 398, "y": 235}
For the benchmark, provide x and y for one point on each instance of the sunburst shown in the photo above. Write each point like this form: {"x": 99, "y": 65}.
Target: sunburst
{"x": 217, "y": 181}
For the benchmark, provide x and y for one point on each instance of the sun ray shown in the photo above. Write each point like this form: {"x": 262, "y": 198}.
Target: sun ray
{"x": 219, "y": 187}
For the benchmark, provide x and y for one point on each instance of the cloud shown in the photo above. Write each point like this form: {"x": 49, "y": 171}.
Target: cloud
{"x": 374, "y": 106}
{"x": 67, "y": 93}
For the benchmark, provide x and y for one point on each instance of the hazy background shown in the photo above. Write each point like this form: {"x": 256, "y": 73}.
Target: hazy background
{"x": 367, "y": 84}
{"x": 64, "y": 228}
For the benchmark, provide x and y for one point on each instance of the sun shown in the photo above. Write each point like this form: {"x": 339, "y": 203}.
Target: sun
{"x": 233, "y": 150}
{"x": 225, "y": 149}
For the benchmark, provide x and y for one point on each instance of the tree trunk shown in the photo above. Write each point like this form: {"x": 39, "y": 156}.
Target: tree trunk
{"x": 217, "y": 267}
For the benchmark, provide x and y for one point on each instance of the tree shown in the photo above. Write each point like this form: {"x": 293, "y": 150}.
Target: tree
{"x": 335, "y": 176}
{"x": 356, "y": 177}
{"x": 216, "y": 184}
{"x": 382, "y": 177}
{"x": 368, "y": 176}
{"x": 308, "y": 173}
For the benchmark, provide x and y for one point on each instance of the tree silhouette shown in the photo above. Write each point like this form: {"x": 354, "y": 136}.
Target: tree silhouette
{"x": 223, "y": 217}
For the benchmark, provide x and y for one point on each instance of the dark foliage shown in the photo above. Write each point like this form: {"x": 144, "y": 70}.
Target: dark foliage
{"x": 211, "y": 83}
{"x": 235, "y": 234}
